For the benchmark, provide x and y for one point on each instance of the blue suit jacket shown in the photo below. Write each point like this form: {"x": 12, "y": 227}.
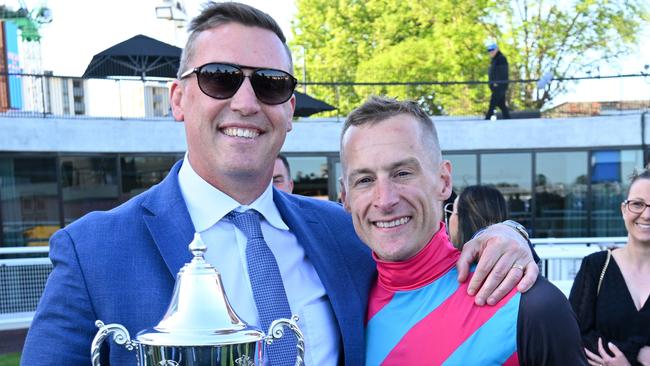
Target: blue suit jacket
{"x": 120, "y": 266}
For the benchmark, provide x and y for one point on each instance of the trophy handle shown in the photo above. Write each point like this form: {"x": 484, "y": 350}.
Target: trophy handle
{"x": 120, "y": 336}
{"x": 276, "y": 330}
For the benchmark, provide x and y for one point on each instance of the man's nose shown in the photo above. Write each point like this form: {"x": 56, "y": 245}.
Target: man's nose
{"x": 386, "y": 195}
{"x": 245, "y": 101}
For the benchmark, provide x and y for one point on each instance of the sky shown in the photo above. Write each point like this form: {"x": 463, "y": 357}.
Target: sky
{"x": 81, "y": 29}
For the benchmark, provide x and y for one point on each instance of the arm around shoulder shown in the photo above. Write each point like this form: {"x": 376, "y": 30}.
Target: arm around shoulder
{"x": 506, "y": 261}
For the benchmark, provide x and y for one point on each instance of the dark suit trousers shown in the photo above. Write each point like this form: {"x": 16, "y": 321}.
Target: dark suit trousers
{"x": 498, "y": 99}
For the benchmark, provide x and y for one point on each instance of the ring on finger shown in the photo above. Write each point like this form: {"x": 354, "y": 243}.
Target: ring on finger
{"x": 519, "y": 266}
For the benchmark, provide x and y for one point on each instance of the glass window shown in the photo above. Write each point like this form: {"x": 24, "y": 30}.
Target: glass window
{"x": 463, "y": 170}
{"x": 610, "y": 170}
{"x": 29, "y": 200}
{"x": 88, "y": 184}
{"x": 139, "y": 173}
{"x": 309, "y": 176}
{"x": 510, "y": 174}
{"x": 560, "y": 195}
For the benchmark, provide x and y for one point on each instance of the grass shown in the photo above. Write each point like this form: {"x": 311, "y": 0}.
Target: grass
{"x": 10, "y": 359}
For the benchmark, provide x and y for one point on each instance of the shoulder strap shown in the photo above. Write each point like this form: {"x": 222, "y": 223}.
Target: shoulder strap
{"x": 602, "y": 274}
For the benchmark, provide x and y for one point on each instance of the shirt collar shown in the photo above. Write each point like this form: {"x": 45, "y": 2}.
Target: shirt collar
{"x": 207, "y": 205}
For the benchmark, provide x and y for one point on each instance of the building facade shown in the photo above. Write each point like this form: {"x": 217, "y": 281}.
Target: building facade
{"x": 561, "y": 177}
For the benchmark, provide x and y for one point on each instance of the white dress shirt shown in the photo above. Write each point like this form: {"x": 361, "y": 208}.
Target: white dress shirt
{"x": 227, "y": 253}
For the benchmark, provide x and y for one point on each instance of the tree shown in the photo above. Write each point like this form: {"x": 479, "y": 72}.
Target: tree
{"x": 390, "y": 40}
{"x": 443, "y": 41}
{"x": 564, "y": 38}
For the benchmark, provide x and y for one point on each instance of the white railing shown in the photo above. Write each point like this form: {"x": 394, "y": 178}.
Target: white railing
{"x": 23, "y": 276}
{"x": 616, "y": 241}
{"x": 23, "y": 272}
{"x": 561, "y": 257}
{"x": 23, "y": 250}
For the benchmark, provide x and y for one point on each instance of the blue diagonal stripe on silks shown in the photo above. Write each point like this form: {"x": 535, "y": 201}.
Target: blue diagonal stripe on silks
{"x": 268, "y": 289}
{"x": 496, "y": 339}
{"x": 410, "y": 307}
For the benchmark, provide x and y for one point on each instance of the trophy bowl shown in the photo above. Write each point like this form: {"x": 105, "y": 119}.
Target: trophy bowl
{"x": 200, "y": 328}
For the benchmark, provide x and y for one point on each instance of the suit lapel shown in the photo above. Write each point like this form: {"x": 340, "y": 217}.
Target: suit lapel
{"x": 171, "y": 228}
{"x": 169, "y": 223}
{"x": 325, "y": 253}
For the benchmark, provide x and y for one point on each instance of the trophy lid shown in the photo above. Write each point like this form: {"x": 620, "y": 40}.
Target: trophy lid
{"x": 199, "y": 313}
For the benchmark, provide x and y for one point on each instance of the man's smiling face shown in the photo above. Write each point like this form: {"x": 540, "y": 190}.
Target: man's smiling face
{"x": 238, "y": 138}
{"x": 393, "y": 185}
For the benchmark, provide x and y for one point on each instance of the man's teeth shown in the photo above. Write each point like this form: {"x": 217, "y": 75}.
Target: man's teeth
{"x": 389, "y": 224}
{"x": 644, "y": 226}
{"x": 240, "y": 132}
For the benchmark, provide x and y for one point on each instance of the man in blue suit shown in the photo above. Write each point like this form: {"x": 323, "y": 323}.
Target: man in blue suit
{"x": 234, "y": 94}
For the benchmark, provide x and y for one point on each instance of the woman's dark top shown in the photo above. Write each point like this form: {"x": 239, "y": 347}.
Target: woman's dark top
{"x": 611, "y": 314}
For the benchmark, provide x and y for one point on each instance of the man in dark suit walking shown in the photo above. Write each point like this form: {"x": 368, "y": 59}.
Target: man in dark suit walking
{"x": 234, "y": 94}
{"x": 498, "y": 79}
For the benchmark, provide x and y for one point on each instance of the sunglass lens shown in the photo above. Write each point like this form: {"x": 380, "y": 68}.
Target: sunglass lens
{"x": 220, "y": 81}
{"x": 272, "y": 86}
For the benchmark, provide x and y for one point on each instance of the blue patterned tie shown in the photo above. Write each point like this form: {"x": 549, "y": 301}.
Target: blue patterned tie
{"x": 268, "y": 290}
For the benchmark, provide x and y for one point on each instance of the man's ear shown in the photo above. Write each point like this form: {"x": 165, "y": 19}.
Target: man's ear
{"x": 175, "y": 98}
{"x": 445, "y": 178}
{"x": 344, "y": 200}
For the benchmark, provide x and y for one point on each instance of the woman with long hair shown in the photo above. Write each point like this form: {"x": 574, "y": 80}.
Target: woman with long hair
{"x": 475, "y": 208}
{"x": 610, "y": 292}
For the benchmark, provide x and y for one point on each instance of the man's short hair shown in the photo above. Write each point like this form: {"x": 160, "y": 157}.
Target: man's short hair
{"x": 378, "y": 108}
{"x": 285, "y": 162}
{"x": 215, "y": 14}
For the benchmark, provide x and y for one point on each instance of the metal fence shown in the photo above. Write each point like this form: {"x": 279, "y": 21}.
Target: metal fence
{"x": 561, "y": 257}
{"x": 22, "y": 280}
{"x": 35, "y": 95}
{"x": 42, "y": 96}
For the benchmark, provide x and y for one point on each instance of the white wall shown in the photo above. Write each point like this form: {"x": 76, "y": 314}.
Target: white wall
{"x": 165, "y": 135}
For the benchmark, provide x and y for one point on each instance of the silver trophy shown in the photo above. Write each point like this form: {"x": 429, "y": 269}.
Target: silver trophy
{"x": 200, "y": 328}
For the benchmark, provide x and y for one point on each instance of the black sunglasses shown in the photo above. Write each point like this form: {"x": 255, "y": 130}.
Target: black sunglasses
{"x": 221, "y": 81}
